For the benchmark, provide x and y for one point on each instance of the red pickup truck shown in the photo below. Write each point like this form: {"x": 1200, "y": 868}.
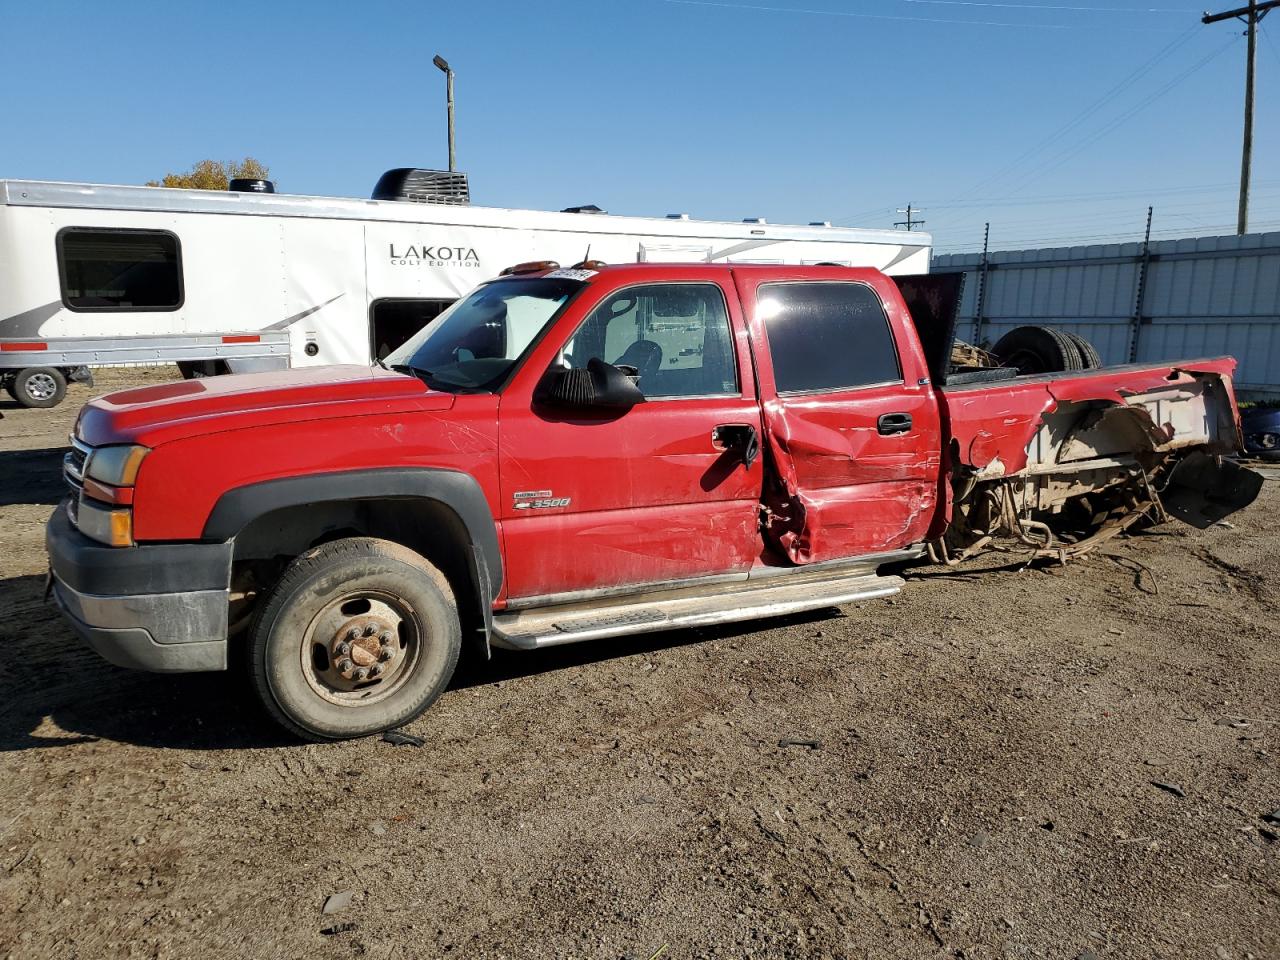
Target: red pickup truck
{"x": 577, "y": 454}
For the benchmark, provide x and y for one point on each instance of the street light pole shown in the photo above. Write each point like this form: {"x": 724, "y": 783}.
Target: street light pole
{"x": 443, "y": 64}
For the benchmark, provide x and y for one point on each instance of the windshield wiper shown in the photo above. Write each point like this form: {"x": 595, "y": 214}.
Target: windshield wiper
{"x": 419, "y": 372}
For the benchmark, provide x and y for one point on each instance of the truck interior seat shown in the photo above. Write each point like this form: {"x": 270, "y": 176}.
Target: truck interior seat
{"x": 645, "y": 356}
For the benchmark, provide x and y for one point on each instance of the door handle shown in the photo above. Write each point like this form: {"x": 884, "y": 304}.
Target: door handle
{"x": 893, "y": 423}
{"x": 737, "y": 436}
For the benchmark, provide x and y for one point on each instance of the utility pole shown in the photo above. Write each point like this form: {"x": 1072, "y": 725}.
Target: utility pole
{"x": 911, "y": 224}
{"x": 443, "y": 65}
{"x": 1251, "y": 16}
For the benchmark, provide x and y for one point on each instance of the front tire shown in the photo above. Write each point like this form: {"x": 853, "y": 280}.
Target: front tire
{"x": 357, "y": 637}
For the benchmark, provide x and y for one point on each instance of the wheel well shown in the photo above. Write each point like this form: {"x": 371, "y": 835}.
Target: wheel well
{"x": 268, "y": 543}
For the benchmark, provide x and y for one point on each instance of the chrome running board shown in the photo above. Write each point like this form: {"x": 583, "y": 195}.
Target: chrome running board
{"x": 679, "y": 609}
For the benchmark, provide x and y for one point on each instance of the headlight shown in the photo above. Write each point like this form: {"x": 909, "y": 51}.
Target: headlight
{"x": 117, "y": 466}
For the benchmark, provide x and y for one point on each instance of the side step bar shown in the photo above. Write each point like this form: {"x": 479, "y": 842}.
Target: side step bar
{"x": 679, "y": 609}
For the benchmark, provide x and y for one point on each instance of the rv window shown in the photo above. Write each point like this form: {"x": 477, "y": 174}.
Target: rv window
{"x": 827, "y": 336}
{"x": 392, "y": 322}
{"x": 477, "y": 342}
{"x": 101, "y": 269}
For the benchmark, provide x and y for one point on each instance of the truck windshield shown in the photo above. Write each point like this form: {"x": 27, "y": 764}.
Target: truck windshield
{"x": 478, "y": 341}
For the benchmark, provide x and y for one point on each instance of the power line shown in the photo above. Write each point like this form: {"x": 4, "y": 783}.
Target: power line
{"x": 1271, "y": 42}
{"x": 1022, "y": 181}
{"x": 1050, "y": 6}
{"x": 1084, "y": 115}
{"x": 1136, "y": 234}
{"x": 1075, "y": 199}
{"x": 888, "y": 16}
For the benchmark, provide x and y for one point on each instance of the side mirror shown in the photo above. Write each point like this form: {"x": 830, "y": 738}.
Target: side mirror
{"x": 599, "y": 385}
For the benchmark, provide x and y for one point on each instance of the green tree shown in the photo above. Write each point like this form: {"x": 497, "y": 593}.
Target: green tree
{"x": 214, "y": 174}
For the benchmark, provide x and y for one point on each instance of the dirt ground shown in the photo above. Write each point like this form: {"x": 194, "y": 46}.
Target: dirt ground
{"x": 983, "y": 779}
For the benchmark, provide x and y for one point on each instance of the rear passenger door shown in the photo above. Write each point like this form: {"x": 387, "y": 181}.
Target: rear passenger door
{"x": 850, "y": 418}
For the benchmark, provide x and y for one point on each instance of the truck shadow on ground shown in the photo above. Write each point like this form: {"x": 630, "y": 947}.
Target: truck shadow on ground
{"x": 59, "y": 693}
{"x": 32, "y": 476}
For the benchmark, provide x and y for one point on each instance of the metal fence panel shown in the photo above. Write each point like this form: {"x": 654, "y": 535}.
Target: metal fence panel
{"x": 1203, "y": 296}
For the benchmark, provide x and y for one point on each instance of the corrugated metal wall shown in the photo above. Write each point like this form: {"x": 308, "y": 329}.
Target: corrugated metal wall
{"x": 1204, "y": 296}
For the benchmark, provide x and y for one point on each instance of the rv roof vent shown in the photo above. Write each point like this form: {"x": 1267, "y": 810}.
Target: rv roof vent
{"x": 248, "y": 185}
{"x": 585, "y": 208}
{"x": 677, "y": 216}
{"x": 423, "y": 186}
{"x": 819, "y": 223}
{"x": 754, "y": 220}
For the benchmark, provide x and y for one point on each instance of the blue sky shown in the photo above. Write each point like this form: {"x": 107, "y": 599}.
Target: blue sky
{"x": 794, "y": 110}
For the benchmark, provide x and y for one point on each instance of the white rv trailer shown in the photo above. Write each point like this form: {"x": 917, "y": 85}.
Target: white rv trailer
{"x": 104, "y": 275}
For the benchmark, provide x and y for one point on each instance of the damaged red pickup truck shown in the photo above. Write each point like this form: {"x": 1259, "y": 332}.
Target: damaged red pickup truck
{"x": 570, "y": 455}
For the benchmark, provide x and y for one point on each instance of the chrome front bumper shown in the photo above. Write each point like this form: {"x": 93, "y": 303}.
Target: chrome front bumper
{"x": 162, "y": 607}
{"x": 160, "y": 632}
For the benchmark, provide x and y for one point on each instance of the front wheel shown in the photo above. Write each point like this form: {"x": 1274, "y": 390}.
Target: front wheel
{"x": 358, "y": 636}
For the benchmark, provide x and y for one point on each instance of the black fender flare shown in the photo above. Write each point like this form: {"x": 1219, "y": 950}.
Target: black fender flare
{"x": 457, "y": 491}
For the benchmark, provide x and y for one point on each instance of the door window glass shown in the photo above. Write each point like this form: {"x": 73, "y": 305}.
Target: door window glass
{"x": 119, "y": 269}
{"x": 827, "y": 336}
{"x": 676, "y": 336}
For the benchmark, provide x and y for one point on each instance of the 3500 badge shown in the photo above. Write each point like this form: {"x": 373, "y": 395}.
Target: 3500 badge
{"x": 539, "y": 500}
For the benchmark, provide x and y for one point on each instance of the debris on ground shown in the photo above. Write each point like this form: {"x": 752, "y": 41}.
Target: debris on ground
{"x": 338, "y": 928}
{"x": 791, "y": 742}
{"x": 337, "y": 902}
{"x": 398, "y": 738}
{"x": 1173, "y": 788}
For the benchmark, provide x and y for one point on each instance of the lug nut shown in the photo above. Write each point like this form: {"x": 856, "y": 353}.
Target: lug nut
{"x": 353, "y": 633}
{"x": 385, "y": 639}
{"x": 344, "y": 648}
{"x": 374, "y": 671}
{"x": 370, "y": 629}
{"x": 361, "y": 674}
{"x": 385, "y": 654}
{"x": 345, "y": 666}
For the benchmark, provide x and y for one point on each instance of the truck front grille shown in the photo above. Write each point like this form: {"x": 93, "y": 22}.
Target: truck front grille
{"x": 73, "y": 466}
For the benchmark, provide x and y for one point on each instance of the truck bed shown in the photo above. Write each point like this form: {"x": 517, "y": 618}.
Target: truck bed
{"x": 1004, "y": 427}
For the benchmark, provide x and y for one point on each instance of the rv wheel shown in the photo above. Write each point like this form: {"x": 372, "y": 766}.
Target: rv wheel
{"x": 38, "y": 387}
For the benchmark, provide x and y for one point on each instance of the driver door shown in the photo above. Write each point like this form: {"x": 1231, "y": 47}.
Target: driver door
{"x": 597, "y": 499}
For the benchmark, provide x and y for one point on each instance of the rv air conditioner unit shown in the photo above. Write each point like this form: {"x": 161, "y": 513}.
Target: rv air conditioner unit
{"x": 250, "y": 185}
{"x": 423, "y": 186}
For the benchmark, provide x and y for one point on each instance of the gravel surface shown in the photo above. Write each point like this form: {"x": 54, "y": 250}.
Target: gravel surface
{"x": 1062, "y": 762}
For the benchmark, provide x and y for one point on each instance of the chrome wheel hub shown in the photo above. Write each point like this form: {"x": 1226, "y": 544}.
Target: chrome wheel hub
{"x": 41, "y": 386}
{"x": 361, "y": 648}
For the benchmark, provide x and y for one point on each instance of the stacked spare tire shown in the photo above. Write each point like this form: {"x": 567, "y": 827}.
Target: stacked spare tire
{"x": 1024, "y": 351}
{"x": 1031, "y": 350}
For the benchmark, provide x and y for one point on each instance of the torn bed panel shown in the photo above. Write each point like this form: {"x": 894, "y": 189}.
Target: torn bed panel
{"x": 1064, "y": 417}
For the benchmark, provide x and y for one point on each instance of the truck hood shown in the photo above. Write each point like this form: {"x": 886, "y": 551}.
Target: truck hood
{"x": 170, "y": 411}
